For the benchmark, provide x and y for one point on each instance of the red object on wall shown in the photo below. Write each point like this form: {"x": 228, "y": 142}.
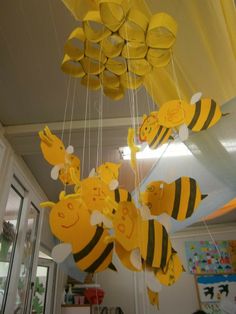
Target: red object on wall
{"x": 94, "y": 295}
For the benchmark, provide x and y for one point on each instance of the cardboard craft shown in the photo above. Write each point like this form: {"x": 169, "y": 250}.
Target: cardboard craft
{"x": 74, "y": 46}
{"x": 69, "y": 220}
{"x": 133, "y": 148}
{"x": 152, "y": 132}
{"x": 112, "y": 45}
{"x": 178, "y": 199}
{"x": 72, "y": 67}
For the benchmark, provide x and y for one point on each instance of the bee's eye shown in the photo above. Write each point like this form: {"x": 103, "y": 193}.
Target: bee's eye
{"x": 61, "y": 148}
{"x": 70, "y": 206}
{"x": 146, "y": 129}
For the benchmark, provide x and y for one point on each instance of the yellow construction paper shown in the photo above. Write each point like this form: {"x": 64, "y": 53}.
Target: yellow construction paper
{"x": 139, "y": 66}
{"x": 52, "y": 147}
{"x": 71, "y": 162}
{"x": 162, "y": 31}
{"x": 91, "y": 81}
{"x": 94, "y": 28}
{"x": 116, "y": 65}
{"x": 94, "y": 51}
{"x": 124, "y": 257}
{"x": 115, "y": 93}
{"x": 109, "y": 79}
{"x": 158, "y": 57}
{"x": 134, "y": 50}
{"x": 108, "y": 171}
{"x": 113, "y": 12}
{"x": 130, "y": 80}
{"x": 152, "y": 132}
{"x": 112, "y": 45}
{"x": 172, "y": 271}
{"x": 131, "y": 232}
{"x": 69, "y": 220}
{"x": 133, "y": 148}
{"x": 153, "y": 297}
{"x": 71, "y": 67}
{"x": 134, "y": 27}
{"x": 74, "y": 46}
{"x": 92, "y": 66}
{"x": 200, "y": 116}
{"x": 178, "y": 199}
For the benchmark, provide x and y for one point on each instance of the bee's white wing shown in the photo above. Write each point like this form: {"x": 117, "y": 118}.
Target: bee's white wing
{"x": 135, "y": 259}
{"x": 183, "y": 132}
{"x": 113, "y": 184}
{"x": 55, "y": 172}
{"x": 61, "y": 251}
{"x": 92, "y": 173}
{"x": 195, "y": 98}
{"x": 70, "y": 149}
{"x": 145, "y": 213}
{"x": 151, "y": 281}
{"x": 97, "y": 218}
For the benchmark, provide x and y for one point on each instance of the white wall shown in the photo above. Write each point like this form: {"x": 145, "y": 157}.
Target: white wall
{"x": 124, "y": 288}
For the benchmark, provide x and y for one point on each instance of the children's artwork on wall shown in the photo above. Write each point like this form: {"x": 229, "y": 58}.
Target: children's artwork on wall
{"x": 232, "y": 251}
{"x": 216, "y": 291}
{"x": 204, "y": 257}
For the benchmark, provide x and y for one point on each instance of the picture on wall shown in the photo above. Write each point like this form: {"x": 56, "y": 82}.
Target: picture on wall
{"x": 209, "y": 257}
{"x": 212, "y": 289}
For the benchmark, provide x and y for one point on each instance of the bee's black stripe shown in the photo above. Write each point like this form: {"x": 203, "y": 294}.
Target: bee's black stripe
{"x": 117, "y": 195}
{"x": 129, "y": 198}
{"x": 156, "y": 136}
{"x": 150, "y": 242}
{"x": 164, "y": 247}
{"x": 196, "y": 115}
{"x": 210, "y": 115}
{"x": 192, "y": 197}
{"x": 88, "y": 248}
{"x": 92, "y": 268}
{"x": 177, "y": 198}
{"x": 163, "y": 136}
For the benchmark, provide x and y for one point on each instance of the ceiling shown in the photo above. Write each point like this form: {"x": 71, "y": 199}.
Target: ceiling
{"x": 34, "y": 91}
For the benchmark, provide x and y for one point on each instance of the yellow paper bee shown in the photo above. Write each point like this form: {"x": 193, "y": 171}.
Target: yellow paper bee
{"x": 60, "y": 158}
{"x": 178, "y": 199}
{"x": 109, "y": 173}
{"x": 152, "y": 132}
{"x": 70, "y": 222}
{"x": 200, "y": 114}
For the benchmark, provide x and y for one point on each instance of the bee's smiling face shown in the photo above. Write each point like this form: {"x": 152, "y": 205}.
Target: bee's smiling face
{"x": 66, "y": 218}
{"x": 149, "y": 128}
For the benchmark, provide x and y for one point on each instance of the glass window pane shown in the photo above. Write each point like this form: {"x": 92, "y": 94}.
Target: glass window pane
{"x": 8, "y": 238}
{"x": 23, "y": 287}
{"x": 40, "y": 292}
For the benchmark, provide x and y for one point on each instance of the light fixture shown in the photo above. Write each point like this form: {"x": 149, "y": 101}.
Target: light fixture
{"x": 172, "y": 150}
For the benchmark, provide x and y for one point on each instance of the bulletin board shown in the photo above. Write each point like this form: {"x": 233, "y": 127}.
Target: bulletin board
{"x": 214, "y": 288}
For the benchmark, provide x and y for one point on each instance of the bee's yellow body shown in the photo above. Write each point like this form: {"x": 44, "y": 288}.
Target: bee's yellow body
{"x": 178, "y": 199}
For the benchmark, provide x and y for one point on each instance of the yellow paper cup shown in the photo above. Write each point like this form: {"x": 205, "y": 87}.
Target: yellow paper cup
{"x": 92, "y": 66}
{"x": 115, "y": 93}
{"x": 116, "y": 65}
{"x": 112, "y": 45}
{"x": 158, "y": 57}
{"x": 139, "y": 66}
{"x": 94, "y": 28}
{"x": 113, "y": 12}
{"x": 130, "y": 80}
{"x": 161, "y": 31}
{"x": 134, "y": 50}
{"x": 109, "y": 79}
{"x": 72, "y": 67}
{"x": 94, "y": 51}
{"x": 135, "y": 26}
{"x": 74, "y": 46}
{"x": 91, "y": 81}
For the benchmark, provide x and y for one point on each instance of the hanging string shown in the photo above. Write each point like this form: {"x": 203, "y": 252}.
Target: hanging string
{"x": 72, "y": 111}
{"x": 85, "y": 128}
{"x": 52, "y": 15}
{"x": 175, "y": 75}
{"x": 212, "y": 238}
{"x": 65, "y": 109}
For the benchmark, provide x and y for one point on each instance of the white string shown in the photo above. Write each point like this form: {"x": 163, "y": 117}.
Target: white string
{"x": 66, "y": 105}
{"x": 54, "y": 29}
{"x": 85, "y": 127}
{"x": 175, "y": 75}
{"x": 72, "y": 111}
{"x": 212, "y": 238}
